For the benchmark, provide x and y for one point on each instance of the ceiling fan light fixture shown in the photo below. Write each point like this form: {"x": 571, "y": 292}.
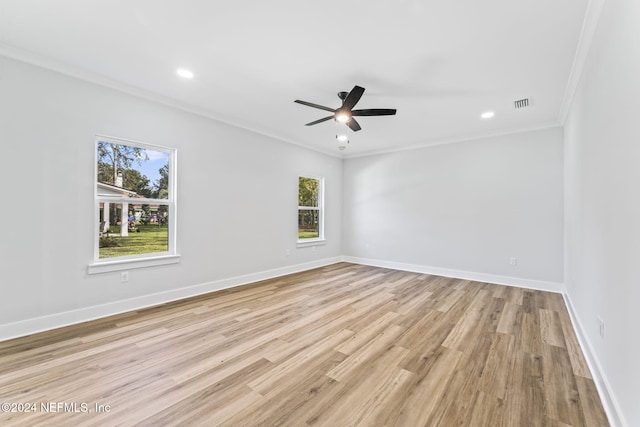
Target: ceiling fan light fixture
{"x": 342, "y": 138}
{"x": 184, "y": 73}
{"x": 343, "y": 117}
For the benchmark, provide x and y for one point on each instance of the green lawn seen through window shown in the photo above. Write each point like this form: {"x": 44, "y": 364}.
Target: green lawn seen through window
{"x": 146, "y": 239}
{"x": 307, "y": 234}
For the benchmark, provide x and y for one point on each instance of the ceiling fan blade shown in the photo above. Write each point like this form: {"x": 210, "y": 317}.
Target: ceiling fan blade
{"x": 353, "y": 125}
{"x": 315, "y": 122}
{"x": 374, "y": 112}
{"x": 311, "y": 104}
{"x": 352, "y": 99}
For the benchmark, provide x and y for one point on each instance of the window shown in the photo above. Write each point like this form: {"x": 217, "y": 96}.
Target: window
{"x": 135, "y": 207}
{"x": 310, "y": 209}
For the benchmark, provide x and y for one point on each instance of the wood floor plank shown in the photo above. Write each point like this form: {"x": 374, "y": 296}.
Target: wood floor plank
{"x": 298, "y": 361}
{"x": 317, "y": 392}
{"x": 449, "y": 299}
{"x": 525, "y": 400}
{"x": 489, "y": 409}
{"x": 345, "y": 344}
{"x": 594, "y": 414}
{"x": 369, "y": 350}
{"x": 424, "y": 341}
{"x": 561, "y": 390}
{"x": 215, "y": 397}
{"x": 369, "y": 392}
{"x": 470, "y": 323}
{"x": 426, "y": 394}
{"x": 495, "y": 375}
{"x": 578, "y": 361}
{"x": 361, "y": 338}
{"x": 508, "y": 318}
{"x": 551, "y": 328}
{"x": 528, "y": 334}
{"x": 457, "y": 402}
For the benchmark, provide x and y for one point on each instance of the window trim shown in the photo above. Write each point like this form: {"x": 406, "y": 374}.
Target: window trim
{"x": 171, "y": 256}
{"x": 320, "y": 240}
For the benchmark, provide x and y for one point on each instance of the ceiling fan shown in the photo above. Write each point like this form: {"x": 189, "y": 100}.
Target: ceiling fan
{"x": 345, "y": 114}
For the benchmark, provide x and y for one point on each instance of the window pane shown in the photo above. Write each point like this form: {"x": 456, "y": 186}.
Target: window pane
{"x": 130, "y": 171}
{"x": 145, "y": 229}
{"x": 308, "y": 224}
{"x": 308, "y": 191}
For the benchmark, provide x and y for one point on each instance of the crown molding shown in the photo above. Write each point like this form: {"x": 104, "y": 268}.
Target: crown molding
{"x": 589, "y": 27}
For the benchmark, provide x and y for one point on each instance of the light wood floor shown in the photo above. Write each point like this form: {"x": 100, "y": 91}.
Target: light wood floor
{"x": 342, "y": 345}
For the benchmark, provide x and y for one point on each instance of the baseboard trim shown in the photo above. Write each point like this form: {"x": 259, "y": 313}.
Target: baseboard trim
{"x": 459, "y": 274}
{"x": 609, "y": 402}
{"x": 40, "y": 324}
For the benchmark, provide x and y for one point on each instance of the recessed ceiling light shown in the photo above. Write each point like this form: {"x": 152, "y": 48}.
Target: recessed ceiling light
{"x": 182, "y": 72}
{"x": 487, "y": 114}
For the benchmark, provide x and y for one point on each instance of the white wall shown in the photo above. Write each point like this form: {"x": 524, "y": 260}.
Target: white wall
{"x": 237, "y": 194}
{"x": 602, "y": 140}
{"x": 462, "y": 209}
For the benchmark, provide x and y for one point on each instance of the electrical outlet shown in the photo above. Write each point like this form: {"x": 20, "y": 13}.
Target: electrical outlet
{"x": 124, "y": 276}
{"x": 513, "y": 260}
{"x": 601, "y": 327}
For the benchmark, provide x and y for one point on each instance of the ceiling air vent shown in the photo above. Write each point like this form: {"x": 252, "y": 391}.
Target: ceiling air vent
{"x": 521, "y": 103}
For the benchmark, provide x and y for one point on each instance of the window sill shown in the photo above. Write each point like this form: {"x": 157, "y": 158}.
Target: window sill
{"x": 127, "y": 264}
{"x": 310, "y": 242}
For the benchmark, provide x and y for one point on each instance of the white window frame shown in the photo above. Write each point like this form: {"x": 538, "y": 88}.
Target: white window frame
{"x": 103, "y": 265}
{"x": 321, "y": 211}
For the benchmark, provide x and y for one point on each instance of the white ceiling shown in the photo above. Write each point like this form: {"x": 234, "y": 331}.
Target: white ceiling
{"x": 439, "y": 63}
